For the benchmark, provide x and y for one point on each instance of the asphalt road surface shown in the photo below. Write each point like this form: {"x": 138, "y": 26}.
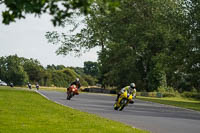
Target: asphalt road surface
{"x": 156, "y": 118}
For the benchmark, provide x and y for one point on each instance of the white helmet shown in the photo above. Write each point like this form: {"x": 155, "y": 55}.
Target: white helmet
{"x": 77, "y": 79}
{"x": 132, "y": 85}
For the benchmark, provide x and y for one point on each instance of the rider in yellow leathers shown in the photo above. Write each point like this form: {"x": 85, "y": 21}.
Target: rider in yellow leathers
{"x": 130, "y": 89}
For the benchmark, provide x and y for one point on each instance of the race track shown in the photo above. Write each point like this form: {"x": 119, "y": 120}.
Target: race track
{"x": 154, "y": 117}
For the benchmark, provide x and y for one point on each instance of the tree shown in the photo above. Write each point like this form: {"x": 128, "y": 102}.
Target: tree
{"x": 90, "y": 80}
{"x": 72, "y": 75}
{"x": 19, "y": 71}
{"x": 60, "y": 67}
{"x": 47, "y": 79}
{"x": 141, "y": 42}
{"x": 59, "y": 9}
{"x": 193, "y": 50}
{"x": 59, "y": 79}
{"x": 91, "y": 68}
{"x": 11, "y": 70}
{"x": 51, "y": 67}
{"x": 34, "y": 69}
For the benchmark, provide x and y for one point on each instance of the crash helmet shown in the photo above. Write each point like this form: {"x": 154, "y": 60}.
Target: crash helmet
{"x": 132, "y": 85}
{"x": 77, "y": 79}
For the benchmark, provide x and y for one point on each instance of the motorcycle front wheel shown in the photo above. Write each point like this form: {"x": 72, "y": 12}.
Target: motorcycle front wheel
{"x": 69, "y": 96}
{"x": 123, "y": 104}
{"x": 115, "y": 107}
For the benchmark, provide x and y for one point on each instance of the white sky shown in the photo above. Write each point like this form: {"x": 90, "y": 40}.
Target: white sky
{"x": 26, "y": 38}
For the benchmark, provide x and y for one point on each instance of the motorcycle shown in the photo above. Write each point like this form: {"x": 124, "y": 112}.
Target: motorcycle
{"x": 37, "y": 87}
{"x": 71, "y": 91}
{"x": 11, "y": 85}
{"x": 123, "y": 101}
{"x": 29, "y": 86}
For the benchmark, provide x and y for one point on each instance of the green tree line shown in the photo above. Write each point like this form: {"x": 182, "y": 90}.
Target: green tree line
{"x": 20, "y": 71}
{"x": 154, "y": 43}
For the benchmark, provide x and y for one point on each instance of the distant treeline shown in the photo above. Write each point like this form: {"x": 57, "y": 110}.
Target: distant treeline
{"x": 20, "y": 71}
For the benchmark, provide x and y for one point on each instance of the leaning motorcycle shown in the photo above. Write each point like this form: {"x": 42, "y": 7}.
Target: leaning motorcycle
{"x": 123, "y": 101}
{"x": 71, "y": 91}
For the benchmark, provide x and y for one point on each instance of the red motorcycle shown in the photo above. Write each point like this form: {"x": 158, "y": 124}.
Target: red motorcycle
{"x": 71, "y": 91}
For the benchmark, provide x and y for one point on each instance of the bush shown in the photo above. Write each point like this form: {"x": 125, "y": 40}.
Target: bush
{"x": 191, "y": 95}
{"x": 194, "y": 90}
{"x": 169, "y": 94}
{"x": 59, "y": 79}
{"x": 152, "y": 94}
{"x": 89, "y": 79}
{"x": 72, "y": 75}
{"x": 161, "y": 89}
{"x": 138, "y": 94}
{"x": 159, "y": 95}
{"x": 170, "y": 89}
{"x": 145, "y": 94}
{"x": 164, "y": 89}
{"x": 167, "y": 91}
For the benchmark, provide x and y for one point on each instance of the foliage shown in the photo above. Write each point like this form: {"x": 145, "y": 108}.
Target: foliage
{"x": 161, "y": 89}
{"x": 58, "y": 9}
{"x": 53, "y": 67}
{"x": 152, "y": 43}
{"x": 167, "y": 94}
{"x": 72, "y": 75}
{"x": 59, "y": 79}
{"x": 91, "y": 68}
{"x": 47, "y": 79}
{"x": 90, "y": 80}
{"x": 34, "y": 69}
{"x": 191, "y": 95}
{"x": 11, "y": 70}
{"x": 19, "y": 71}
{"x": 78, "y": 70}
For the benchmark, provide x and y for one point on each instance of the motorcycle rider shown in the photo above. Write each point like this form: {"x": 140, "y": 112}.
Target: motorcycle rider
{"x": 11, "y": 84}
{"x": 29, "y": 85}
{"x": 130, "y": 89}
{"x": 37, "y": 86}
{"x": 77, "y": 83}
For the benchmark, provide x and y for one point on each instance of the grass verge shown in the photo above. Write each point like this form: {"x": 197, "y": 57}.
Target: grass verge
{"x": 23, "y": 111}
{"x": 175, "y": 101}
{"x": 61, "y": 89}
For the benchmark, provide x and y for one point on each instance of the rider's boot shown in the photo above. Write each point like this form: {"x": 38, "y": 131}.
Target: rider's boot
{"x": 117, "y": 97}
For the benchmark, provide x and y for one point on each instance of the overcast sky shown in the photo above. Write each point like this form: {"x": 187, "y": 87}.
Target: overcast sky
{"x": 26, "y": 38}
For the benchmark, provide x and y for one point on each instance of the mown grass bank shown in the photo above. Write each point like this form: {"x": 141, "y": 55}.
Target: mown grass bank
{"x": 61, "y": 89}
{"x": 175, "y": 101}
{"x": 23, "y": 111}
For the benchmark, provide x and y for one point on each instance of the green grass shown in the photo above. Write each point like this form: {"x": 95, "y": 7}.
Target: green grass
{"x": 61, "y": 89}
{"x": 23, "y": 111}
{"x": 175, "y": 101}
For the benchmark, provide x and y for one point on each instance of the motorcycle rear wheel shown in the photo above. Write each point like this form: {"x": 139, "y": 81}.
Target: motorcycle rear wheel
{"x": 123, "y": 103}
{"x": 115, "y": 107}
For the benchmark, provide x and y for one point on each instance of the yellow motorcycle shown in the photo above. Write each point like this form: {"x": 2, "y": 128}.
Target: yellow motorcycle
{"x": 123, "y": 101}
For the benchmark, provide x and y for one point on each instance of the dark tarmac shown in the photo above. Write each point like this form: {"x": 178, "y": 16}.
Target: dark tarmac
{"x": 156, "y": 118}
